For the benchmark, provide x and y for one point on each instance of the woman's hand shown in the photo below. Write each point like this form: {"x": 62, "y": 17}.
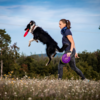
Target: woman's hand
{"x": 76, "y": 55}
{"x": 68, "y": 54}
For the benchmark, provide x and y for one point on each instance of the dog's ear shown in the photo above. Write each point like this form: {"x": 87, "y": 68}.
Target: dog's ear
{"x": 32, "y": 22}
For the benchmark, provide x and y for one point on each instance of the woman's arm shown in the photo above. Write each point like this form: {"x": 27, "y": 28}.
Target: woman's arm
{"x": 70, "y": 38}
{"x": 74, "y": 44}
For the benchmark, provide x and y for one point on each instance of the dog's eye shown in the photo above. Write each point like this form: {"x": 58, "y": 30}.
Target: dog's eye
{"x": 31, "y": 24}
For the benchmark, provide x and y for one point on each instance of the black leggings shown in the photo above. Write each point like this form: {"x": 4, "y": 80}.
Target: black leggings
{"x": 72, "y": 65}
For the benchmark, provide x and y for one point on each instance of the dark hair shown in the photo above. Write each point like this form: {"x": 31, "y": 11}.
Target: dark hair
{"x": 67, "y": 22}
{"x": 32, "y": 22}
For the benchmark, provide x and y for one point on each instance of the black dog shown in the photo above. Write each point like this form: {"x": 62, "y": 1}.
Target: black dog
{"x": 45, "y": 38}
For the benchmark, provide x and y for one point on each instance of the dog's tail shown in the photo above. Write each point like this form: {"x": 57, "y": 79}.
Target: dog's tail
{"x": 63, "y": 48}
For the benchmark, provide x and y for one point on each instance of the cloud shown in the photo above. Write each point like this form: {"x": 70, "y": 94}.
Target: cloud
{"x": 18, "y": 16}
{"x": 45, "y": 17}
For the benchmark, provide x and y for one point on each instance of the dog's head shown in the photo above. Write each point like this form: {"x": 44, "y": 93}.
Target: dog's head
{"x": 30, "y": 24}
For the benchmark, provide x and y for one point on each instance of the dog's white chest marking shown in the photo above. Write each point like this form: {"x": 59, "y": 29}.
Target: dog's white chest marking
{"x": 32, "y": 28}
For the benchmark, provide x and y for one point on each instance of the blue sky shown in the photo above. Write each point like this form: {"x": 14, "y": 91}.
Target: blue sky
{"x": 84, "y": 16}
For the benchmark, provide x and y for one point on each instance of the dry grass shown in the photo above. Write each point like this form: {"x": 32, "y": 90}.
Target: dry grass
{"x": 48, "y": 89}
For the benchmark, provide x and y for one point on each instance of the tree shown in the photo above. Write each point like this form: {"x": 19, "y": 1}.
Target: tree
{"x": 5, "y": 40}
{"x": 99, "y": 27}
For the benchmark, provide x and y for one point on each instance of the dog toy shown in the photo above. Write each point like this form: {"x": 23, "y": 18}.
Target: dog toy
{"x": 26, "y": 32}
{"x": 65, "y": 59}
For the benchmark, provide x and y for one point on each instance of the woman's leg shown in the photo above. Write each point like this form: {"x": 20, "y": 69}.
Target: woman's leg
{"x": 60, "y": 70}
{"x": 73, "y": 66}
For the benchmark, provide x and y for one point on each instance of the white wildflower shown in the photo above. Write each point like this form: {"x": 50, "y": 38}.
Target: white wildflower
{"x": 6, "y": 83}
{"x": 5, "y": 93}
{"x": 29, "y": 98}
{"x": 30, "y": 90}
{"x": 17, "y": 78}
{"x": 46, "y": 90}
{"x": 65, "y": 96}
{"x": 96, "y": 96}
{"x": 15, "y": 94}
{"x": 73, "y": 90}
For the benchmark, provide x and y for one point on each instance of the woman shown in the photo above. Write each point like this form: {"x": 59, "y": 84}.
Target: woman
{"x": 70, "y": 50}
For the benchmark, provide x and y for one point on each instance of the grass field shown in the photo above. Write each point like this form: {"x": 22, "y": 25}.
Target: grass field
{"x": 48, "y": 89}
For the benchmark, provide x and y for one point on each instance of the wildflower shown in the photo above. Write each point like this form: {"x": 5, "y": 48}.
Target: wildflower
{"x": 12, "y": 78}
{"x": 46, "y": 90}
{"x": 96, "y": 96}
{"x": 4, "y": 74}
{"x": 17, "y": 78}
{"x": 29, "y": 98}
{"x": 26, "y": 76}
{"x": 11, "y": 71}
{"x": 12, "y": 82}
{"x": 65, "y": 87}
{"x": 73, "y": 90}
{"x": 15, "y": 94}
{"x": 26, "y": 86}
{"x": 6, "y": 83}
{"x": 72, "y": 78}
{"x": 77, "y": 87}
{"x": 30, "y": 90}
{"x": 65, "y": 96}
{"x": 5, "y": 93}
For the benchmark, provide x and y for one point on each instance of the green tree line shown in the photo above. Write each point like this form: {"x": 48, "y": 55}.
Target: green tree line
{"x": 34, "y": 65}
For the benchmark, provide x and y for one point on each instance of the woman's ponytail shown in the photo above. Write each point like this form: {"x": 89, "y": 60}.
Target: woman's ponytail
{"x": 67, "y": 22}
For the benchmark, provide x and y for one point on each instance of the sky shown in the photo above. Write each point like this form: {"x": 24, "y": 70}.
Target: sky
{"x": 84, "y": 16}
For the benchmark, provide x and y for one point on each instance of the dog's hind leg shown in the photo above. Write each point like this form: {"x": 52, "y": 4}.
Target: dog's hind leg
{"x": 48, "y": 61}
{"x": 54, "y": 54}
{"x": 63, "y": 48}
{"x": 49, "y": 55}
{"x": 31, "y": 41}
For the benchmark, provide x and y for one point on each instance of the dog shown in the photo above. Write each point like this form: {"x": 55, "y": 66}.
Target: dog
{"x": 45, "y": 38}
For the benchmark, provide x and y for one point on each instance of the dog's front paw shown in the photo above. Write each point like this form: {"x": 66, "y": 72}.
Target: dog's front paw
{"x": 37, "y": 41}
{"x": 29, "y": 45}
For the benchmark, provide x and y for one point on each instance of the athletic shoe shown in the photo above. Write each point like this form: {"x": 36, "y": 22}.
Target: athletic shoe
{"x": 86, "y": 80}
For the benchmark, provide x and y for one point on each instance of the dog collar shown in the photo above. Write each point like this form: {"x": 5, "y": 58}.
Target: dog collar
{"x": 33, "y": 27}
